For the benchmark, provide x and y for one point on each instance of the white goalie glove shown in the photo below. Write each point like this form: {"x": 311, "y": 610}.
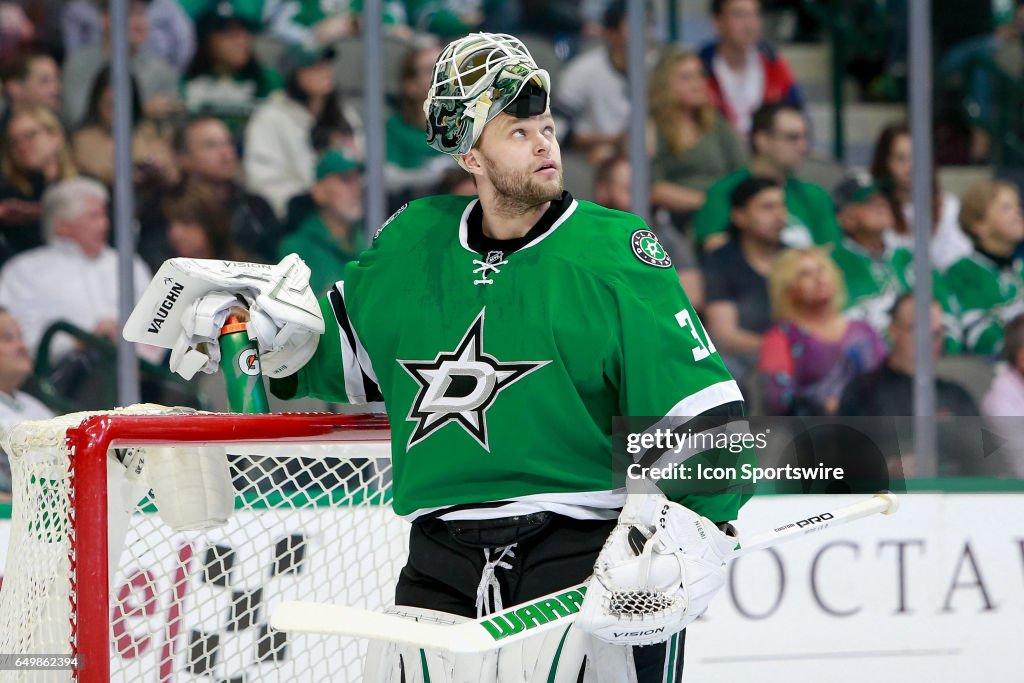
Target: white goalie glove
{"x": 657, "y": 572}
{"x": 189, "y": 300}
{"x": 191, "y": 484}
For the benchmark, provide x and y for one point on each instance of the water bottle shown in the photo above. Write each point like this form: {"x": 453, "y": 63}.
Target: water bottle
{"x": 240, "y": 364}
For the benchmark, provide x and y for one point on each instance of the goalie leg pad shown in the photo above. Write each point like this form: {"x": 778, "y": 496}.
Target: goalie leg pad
{"x": 393, "y": 663}
{"x": 555, "y": 657}
{"x": 560, "y": 655}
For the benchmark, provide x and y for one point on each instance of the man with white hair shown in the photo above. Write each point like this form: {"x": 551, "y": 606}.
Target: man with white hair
{"x": 504, "y": 332}
{"x": 74, "y": 276}
{"x": 15, "y": 404}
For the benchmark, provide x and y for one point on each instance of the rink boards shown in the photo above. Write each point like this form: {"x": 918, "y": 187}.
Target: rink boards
{"x": 935, "y": 592}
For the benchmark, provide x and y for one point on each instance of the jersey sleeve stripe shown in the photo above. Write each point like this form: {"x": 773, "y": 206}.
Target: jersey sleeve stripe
{"x": 721, "y": 399}
{"x": 696, "y": 443}
{"x": 360, "y": 386}
{"x": 707, "y": 398}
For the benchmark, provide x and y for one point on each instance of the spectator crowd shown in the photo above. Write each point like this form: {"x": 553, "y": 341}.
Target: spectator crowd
{"x": 248, "y": 145}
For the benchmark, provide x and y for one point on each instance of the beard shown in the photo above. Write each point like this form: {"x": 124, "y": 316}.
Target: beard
{"x": 519, "y": 191}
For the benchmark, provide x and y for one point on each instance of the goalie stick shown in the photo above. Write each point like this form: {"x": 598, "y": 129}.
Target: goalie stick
{"x": 528, "y": 619}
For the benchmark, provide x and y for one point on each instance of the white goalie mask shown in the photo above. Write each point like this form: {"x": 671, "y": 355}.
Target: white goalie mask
{"x": 475, "y": 79}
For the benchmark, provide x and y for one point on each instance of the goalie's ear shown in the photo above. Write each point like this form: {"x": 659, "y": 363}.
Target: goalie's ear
{"x": 471, "y": 161}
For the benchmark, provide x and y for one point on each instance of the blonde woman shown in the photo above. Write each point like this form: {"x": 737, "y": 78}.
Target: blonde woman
{"x": 813, "y": 350}
{"x": 35, "y": 156}
{"x": 988, "y": 283}
{"x": 693, "y": 145}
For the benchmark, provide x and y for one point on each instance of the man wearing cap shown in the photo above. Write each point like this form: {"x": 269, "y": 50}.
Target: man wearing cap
{"x": 737, "y": 309}
{"x": 503, "y": 333}
{"x": 869, "y": 266}
{"x": 877, "y": 274}
{"x": 328, "y": 238}
{"x": 286, "y": 132}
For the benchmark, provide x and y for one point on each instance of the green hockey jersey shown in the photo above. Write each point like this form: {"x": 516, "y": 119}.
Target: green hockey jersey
{"x": 811, "y": 216}
{"x": 502, "y": 363}
{"x": 988, "y": 295}
{"x": 872, "y": 282}
{"x": 875, "y": 281}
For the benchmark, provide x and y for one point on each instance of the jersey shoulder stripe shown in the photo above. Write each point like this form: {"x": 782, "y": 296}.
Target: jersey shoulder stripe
{"x": 360, "y": 380}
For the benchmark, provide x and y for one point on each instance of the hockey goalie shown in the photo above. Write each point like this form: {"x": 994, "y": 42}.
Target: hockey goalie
{"x": 503, "y": 333}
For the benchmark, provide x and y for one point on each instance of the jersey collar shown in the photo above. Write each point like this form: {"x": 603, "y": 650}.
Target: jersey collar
{"x": 1001, "y": 262}
{"x": 472, "y": 237}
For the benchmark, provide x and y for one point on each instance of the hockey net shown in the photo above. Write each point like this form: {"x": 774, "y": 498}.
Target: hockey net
{"x": 312, "y": 521}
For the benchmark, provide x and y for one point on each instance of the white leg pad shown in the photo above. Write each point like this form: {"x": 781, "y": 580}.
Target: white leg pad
{"x": 534, "y": 660}
{"x": 385, "y": 661}
{"x": 558, "y": 656}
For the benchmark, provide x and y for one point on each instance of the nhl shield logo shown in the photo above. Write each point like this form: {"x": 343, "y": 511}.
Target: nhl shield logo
{"x": 647, "y": 248}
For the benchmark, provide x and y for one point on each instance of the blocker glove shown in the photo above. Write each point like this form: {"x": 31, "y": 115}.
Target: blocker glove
{"x": 189, "y": 300}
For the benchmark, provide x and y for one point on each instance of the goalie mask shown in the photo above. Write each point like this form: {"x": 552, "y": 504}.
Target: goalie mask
{"x": 475, "y": 79}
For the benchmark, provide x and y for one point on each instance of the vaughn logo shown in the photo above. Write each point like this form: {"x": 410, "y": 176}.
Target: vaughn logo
{"x": 529, "y": 616}
{"x": 165, "y": 306}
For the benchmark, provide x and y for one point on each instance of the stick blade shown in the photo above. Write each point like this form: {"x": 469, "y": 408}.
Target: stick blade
{"x": 339, "y": 620}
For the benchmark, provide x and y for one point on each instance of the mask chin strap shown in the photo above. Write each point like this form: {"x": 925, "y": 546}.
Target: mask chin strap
{"x": 479, "y": 115}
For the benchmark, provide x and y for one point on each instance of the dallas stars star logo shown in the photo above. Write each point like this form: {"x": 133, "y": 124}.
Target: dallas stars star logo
{"x": 460, "y": 386}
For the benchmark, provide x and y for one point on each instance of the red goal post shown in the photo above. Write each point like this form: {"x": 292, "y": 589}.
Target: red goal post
{"x": 309, "y": 490}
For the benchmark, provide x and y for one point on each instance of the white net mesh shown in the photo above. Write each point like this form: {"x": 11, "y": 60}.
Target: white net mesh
{"x": 311, "y": 522}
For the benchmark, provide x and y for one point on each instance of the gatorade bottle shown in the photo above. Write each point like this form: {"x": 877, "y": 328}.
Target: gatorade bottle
{"x": 241, "y": 367}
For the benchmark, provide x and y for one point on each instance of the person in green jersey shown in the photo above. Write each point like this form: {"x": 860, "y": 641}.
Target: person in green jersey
{"x": 503, "y": 333}
{"x": 877, "y": 271}
{"x": 989, "y": 283}
{"x": 865, "y": 260}
{"x": 225, "y": 79}
{"x": 778, "y": 141}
